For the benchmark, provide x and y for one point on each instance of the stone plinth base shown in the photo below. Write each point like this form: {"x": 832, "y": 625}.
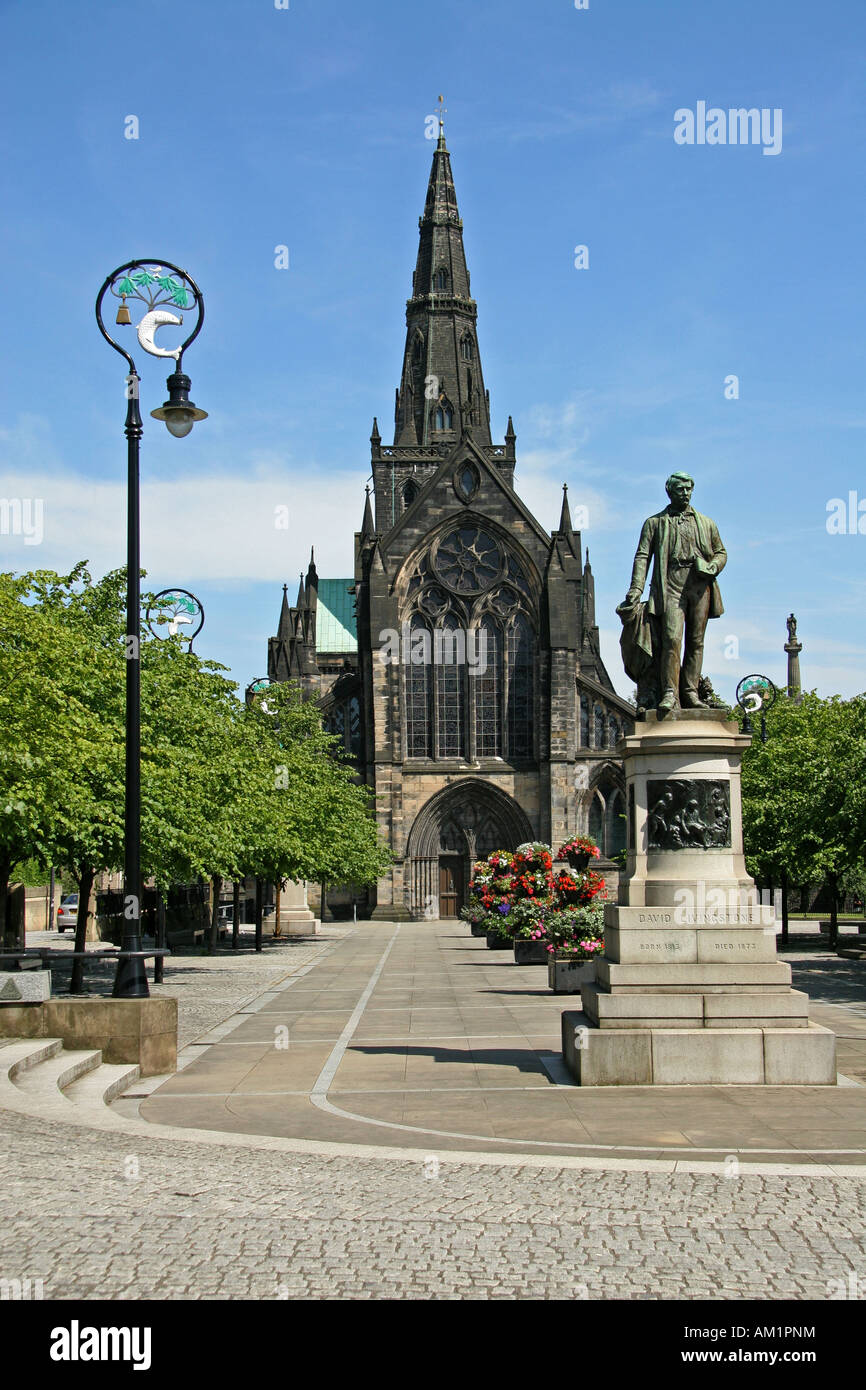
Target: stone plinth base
{"x": 299, "y": 926}
{"x": 124, "y": 1030}
{"x": 689, "y": 991}
{"x": 689, "y": 1056}
{"x": 391, "y": 912}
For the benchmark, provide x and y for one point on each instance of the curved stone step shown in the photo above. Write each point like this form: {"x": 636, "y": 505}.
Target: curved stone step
{"x": 48, "y": 1079}
{"x": 18, "y": 1056}
{"x": 102, "y": 1085}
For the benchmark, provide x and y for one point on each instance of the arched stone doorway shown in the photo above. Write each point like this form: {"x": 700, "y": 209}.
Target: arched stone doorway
{"x": 458, "y": 825}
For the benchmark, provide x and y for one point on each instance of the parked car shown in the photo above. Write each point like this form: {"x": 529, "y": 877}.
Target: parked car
{"x": 67, "y": 912}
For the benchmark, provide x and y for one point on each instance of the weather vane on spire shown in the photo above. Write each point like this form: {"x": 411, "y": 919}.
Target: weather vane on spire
{"x": 442, "y": 109}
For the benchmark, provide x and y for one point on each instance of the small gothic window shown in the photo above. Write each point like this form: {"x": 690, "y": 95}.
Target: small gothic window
{"x": 410, "y": 492}
{"x": 615, "y": 839}
{"x": 355, "y": 725}
{"x": 584, "y": 722}
{"x": 417, "y": 347}
{"x": 613, "y": 732}
{"x": 440, "y": 279}
{"x": 596, "y": 822}
{"x": 599, "y": 727}
{"x": 466, "y": 348}
{"x": 443, "y": 418}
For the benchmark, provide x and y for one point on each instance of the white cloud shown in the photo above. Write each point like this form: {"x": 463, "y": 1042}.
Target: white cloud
{"x": 211, "y": 526}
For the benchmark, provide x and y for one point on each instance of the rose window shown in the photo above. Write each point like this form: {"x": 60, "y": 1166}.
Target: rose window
{"x": 468, "y": 560}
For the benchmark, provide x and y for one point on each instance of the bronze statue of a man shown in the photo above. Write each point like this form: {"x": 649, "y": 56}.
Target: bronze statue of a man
{"x": 687, "y": 555}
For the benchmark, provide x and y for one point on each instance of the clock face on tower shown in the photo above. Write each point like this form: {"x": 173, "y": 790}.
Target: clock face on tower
{"x": 468, "y": 560}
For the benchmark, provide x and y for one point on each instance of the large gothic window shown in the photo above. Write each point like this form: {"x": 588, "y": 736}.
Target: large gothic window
{"x": 470, "y": 600}
{"x": 443, "y": 417}
{"x": 488, "y": 693}
{"x": 519, "y": 701}
{"x": 450, "y": 665}
{"x": 466, "y": 348}
{"x": 419, "y": 695}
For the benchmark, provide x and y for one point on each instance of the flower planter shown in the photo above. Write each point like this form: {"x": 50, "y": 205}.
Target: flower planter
{"x": 527, "y": 952}
{"x": 478, "y": 929}
{"x": 567, "y": 976}
{"x": 495, "y": 942}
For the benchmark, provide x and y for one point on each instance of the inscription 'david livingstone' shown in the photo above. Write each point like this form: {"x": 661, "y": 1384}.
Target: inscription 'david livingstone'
{"x": 687, "y": 813}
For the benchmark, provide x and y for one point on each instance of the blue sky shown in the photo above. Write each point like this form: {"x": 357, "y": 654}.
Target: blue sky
{"x": 260, "y": 127}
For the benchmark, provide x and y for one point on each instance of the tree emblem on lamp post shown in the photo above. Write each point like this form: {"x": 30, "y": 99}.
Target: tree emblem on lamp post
{"x": 175, "y": 613}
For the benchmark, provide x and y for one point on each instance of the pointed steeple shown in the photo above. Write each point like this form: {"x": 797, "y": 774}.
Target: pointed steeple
{"x": 284, "y": 626}
{"x": 565, "y": 526}
{"x": 442, "y": 388}
{"x": 301, "y": 603}
{"x": 368, "y": 530}
{"x": 588, "y": 595}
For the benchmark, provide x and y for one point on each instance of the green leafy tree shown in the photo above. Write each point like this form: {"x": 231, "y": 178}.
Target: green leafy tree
{"x": 227, "y": 791}
{"x": 804, "y": 793}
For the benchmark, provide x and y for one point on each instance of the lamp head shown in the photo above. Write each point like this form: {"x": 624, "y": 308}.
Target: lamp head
{"x": 179, "y": 412}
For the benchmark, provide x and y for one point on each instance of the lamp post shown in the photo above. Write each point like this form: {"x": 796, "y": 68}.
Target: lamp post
{"x": 154, "y": 284}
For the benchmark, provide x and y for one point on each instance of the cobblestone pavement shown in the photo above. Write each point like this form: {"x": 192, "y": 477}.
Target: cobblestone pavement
{"x": 214, "y": 1222}
{"x": 98, "y": 1214}
{"x": 208, "y": 989}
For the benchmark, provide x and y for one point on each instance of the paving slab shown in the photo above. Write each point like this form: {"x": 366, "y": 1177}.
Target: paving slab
{"x": 414, "y": 1034}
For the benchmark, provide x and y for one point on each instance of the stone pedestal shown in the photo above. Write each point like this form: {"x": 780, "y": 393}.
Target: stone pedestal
{"x": 296, "y": 917}
{"x": 689, "y": 990}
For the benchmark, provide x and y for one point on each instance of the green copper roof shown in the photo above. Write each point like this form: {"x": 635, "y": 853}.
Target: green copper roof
{"x": 335, "y": 619}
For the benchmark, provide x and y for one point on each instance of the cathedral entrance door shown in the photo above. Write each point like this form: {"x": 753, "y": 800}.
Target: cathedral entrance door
{"x": 451, "y": 884}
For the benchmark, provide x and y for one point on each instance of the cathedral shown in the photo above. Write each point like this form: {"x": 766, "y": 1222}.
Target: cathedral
{"x": 460, "y": 664}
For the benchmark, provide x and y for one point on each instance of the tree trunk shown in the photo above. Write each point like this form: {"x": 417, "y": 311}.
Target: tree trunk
{"x": 5, "y": 875}
{"x": 159, "y": 961}
{"x": 236, "y": 912}
{"x": 834, "y": 910}
{"x": 784, "y": 906}
{"x": 214, "y": 916}
{"x": 84, "y": 878}
{"x": 259, "y": 886}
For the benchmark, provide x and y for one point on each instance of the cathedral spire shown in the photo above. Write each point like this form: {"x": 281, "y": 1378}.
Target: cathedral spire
{"x": 441, "y": 389}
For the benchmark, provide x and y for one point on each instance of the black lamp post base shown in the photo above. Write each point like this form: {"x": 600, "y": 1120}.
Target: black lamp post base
{"x": 130, "y": 981}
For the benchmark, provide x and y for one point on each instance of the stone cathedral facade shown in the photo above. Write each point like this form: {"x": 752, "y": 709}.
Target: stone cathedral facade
{"x": 516, "y": 742}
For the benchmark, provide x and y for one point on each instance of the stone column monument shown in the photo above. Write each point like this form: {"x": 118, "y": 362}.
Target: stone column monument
{"x": 689, "y": 990}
